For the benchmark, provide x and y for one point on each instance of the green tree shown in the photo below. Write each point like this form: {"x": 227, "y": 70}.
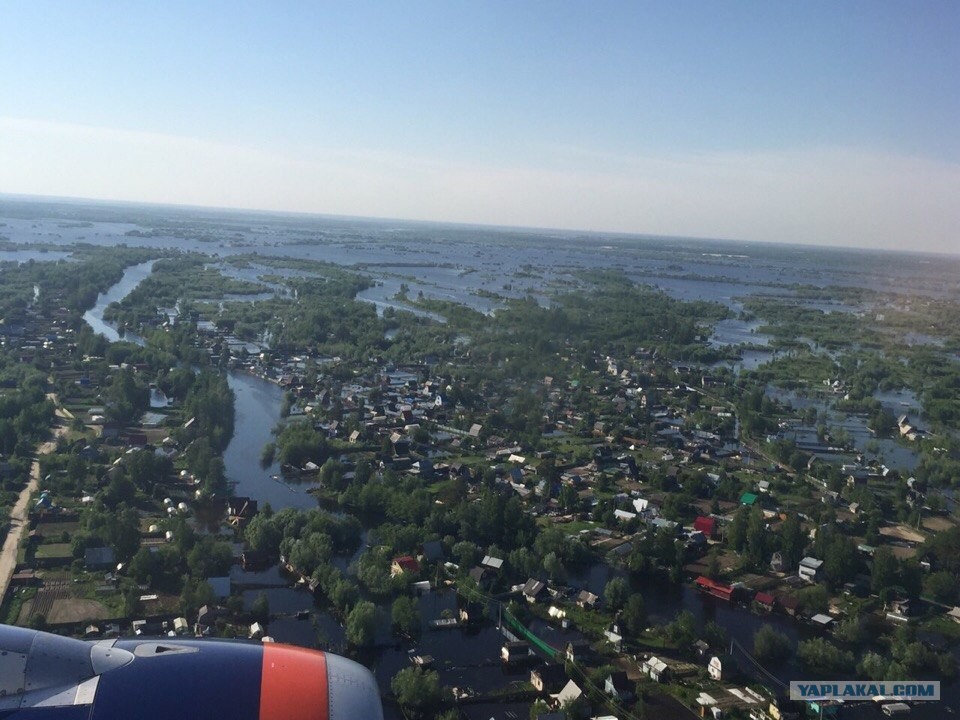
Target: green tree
{"x": 756, "y": 544}
{"x": 260, "y": 610}
{"x": 822, "y": 656}
{"x": 770, "y": 645}
{"x": 942, "y": 586}
{"x": 361, "y": 624}
{"x": 884, "y": 572}
{"x": 682, "y": 631}
{"x": 635, "y": 614}
{"x": 792, "y": 542}
{"x": 417, "y": 691}
{"x": 615, "y": 593}
{"x": 737, "y": 535}
{"x": 406, "y": 619}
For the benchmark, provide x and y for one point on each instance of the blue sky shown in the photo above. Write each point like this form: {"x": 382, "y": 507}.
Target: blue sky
{"x": 821, "y": 122}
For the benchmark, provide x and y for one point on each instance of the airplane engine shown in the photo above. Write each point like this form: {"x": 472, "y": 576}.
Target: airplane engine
{"x": 49, "y": 677}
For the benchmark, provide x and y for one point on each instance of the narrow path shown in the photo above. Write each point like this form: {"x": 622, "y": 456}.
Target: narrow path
{"x": 21, "y": 510}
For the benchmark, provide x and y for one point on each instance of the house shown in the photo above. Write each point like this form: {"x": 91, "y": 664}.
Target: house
{"x": 587, "y": 599}
{"x": 614, "y": 636}
{"x": 570, "y": 692}
{"x": 778, "y": 563}
{"x": 533, "y": 589}
{"x": 789, "y": 604}
{"x": 548, "y": 678}
{"x": 810, "y": 569}
{"x": 617, "y": 686}
{"x": 717, "y": 589}
{"x": 954, "y": 614}
{"x": 404, "y": 564}
{"x": 748, "y": 499}
{"x": 722, "y": 667}
{"x": 515, "y": 651}
{"x": 822, "y": 621}
{"x": 99, "y": 558}
{"x": 494, "y": 563}
{"x": 110, "y": 430}
{"x": 898, "y": 609}
{"x": 765, "y": 601}
{"x": 578, "y": 651}
{"x": 656, "y": 669}
{"x": 706, "y": 525}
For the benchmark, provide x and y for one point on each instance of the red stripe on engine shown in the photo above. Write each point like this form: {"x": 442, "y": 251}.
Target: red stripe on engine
{"x": 293, "y": 685}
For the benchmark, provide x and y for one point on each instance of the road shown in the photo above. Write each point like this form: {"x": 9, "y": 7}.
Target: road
{"x": 21, "y": 510}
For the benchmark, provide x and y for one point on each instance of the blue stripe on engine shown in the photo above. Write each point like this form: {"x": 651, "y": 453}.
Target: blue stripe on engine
{"x": 221, "y": 680}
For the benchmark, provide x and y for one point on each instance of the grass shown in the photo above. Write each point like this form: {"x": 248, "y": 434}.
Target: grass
{"x": 53, "y": 551}
{"x": 14, "y": 603}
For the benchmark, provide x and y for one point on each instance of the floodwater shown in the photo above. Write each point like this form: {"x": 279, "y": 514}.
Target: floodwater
{"x": 132, "y": 277}
{"x": 257, "y": 411}
{"x": 458, "y": 262}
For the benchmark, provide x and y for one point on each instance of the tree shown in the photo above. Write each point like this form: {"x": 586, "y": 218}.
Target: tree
{"x": 615, "y": 593}
{"x": 883, "y": 574}
{"x": 260, "y": 610}
{"x": 770, "y": 645}
{"x": 840, "y": 560}
{"x": 943, "y": 586}
{"x": 554, "y": 566}
{"x": 406, "y": 619}
{"x": 361, "y": 624}
{"x": 715, "y": 635}
{"x": 791, "y": 540}
{"x": 819, "y": 655}
{"x": 683, "y": 630}
{"x": 635, "y": 614}
{"x": 737, "y": 535}
{"x": 756, "y": 543}
{"x": 417, "y": 691}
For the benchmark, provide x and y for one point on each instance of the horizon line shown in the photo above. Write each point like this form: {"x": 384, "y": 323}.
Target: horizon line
{"x": 75, "y": 199}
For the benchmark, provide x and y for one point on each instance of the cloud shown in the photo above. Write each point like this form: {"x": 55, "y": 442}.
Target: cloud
{"x": 833, "y": 196}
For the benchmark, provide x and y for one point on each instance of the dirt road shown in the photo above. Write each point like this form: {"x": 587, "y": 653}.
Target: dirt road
{"x": 21, "y": 510}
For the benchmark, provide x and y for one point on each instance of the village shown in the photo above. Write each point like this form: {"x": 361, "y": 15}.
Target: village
{"x": 639, "y": 466}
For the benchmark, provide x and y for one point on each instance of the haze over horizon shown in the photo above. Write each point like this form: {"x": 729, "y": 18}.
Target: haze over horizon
{"x": 816, "y": 123}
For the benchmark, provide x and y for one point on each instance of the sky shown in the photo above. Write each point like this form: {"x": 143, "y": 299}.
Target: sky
{"x": 831, "y": 123}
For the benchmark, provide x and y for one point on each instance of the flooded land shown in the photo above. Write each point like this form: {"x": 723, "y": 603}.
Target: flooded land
{"x": 418, "y": 444}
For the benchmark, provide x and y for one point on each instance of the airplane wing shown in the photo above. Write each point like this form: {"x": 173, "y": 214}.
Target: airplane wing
{"x": 49, "y": 677}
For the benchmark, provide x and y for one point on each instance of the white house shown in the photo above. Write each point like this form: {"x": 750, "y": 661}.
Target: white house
{"x": 810, "y": 569}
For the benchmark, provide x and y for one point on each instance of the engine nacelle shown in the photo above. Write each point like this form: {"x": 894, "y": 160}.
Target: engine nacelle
{"x": 49, "y": 676}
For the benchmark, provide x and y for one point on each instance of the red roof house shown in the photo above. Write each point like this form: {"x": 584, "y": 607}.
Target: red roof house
{"x": 765, "y": 600}
{"x": 706, "y": 525}
{"x": 404, "y": 563}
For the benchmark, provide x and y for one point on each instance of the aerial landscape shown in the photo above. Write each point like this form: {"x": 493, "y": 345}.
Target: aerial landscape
{"x": 380, "y": 438}
{"x": 698, "y": 447}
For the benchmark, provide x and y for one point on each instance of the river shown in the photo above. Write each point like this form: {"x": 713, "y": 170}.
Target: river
{"x": 132, "y": 276}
